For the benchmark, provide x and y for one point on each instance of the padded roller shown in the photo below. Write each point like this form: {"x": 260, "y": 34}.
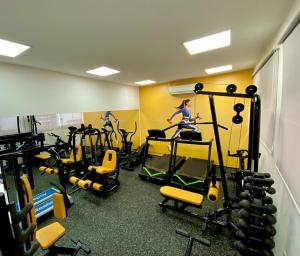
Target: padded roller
{"x": 97, "y": 186}
{"x": 82, "y": 184}
{"x": 91, "y": 168}
{"x": 49, "y": 171}
{"x": 42, "y": 168}
{"x": 213, "y": 191}
{"x": 73, "y": 180}
{"x": 88, "y": 182}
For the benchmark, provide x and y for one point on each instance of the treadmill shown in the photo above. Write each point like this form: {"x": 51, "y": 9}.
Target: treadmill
{"x": 194, "y": 173}
{"x": 157, "y": 169}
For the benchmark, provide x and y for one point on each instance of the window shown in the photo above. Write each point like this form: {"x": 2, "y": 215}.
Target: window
{"x": 8, "y": 125}
{"x": 70, "y": 119}
{"x": 47, "y": 122}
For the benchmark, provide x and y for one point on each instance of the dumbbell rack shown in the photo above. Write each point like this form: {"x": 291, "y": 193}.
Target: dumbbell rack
{"x": 256, "y": 216}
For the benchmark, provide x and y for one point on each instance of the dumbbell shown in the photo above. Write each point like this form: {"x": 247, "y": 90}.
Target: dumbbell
{"x": 258, "y": 181}
{"x": 251, "y": 251}
{"x": 267, "y": 229}
{"x": 268, "y": 242}
{"x": 257, "y": 174}
{"x": 247, "y": 195}
{"x": 268, "y": 209}
{"x": 270, "y": 219}
{"x": 269, "y": 190}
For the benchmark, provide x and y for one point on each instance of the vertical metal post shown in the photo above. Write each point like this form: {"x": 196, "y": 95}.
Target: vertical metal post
{"x": 250, "y": 136}
{"x": 219, "y": 150}
{"x": 256, "y": 132}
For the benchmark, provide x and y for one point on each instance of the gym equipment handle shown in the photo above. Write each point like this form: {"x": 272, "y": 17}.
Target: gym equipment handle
{"x": 81, "y": 246}
{"x": 196, "y": 238}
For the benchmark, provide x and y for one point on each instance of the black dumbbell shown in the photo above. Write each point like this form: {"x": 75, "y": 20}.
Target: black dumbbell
{"x": 258, "y": 181}
{"x": 268, "y": 209}
{"x": 265, "y": 242}
{"x": 270, "y": 219}
{"x": 269, "y": 190}
{"x": 239, "y": 245}
{"x": 264, "y": 198}
{"x": 257, "y": 174}
{"x": 267, "y": 229}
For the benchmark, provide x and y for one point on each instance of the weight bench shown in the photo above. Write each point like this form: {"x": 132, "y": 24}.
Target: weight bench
{"x": 183, "y": 198}
{"x": 186, "y": 198}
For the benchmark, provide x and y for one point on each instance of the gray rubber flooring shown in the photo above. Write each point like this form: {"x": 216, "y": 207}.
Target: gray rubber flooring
{"x": 130, "y": 222}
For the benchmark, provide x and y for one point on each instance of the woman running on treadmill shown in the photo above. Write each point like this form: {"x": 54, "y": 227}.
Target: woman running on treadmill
{"x": 108, "y": 123}
{"x": 186, "y": 118}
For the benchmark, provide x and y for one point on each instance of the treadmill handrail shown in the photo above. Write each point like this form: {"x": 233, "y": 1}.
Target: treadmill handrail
{"x": 193, "y": 123}
{"x": 196, "y": 142}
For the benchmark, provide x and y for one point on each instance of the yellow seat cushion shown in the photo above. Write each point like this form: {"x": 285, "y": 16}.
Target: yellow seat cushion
{"x": 43, "y": 156}
{"x": 67, "y": 161}
{"x": 48, "y": 235}
{"x": 182, "y": 195}
{"x": 103, "y": 170}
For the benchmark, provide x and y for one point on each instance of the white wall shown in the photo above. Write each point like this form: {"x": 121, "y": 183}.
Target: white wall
{"x": 26, "y": 90}
{"x": 287, "y": 238}
{"x": 288, "y": 214}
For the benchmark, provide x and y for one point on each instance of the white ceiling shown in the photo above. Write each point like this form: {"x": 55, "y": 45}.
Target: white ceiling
{"x": 141, "y": 38}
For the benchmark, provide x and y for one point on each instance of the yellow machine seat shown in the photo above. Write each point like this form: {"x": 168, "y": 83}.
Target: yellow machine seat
{"x": 109, "y": 163}
{"x": 49, "y": 235}
{"x": 110, "y": 160}
{"x": 71, "y": 160}
{"x": 67, "y": 161}
{"x": 103, "y": 170}
{"x": 43, "y": 156}
{"x": 182, "y": 195}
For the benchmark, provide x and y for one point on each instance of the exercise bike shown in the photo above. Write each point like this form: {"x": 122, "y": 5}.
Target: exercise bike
{"x": 60, "y": 146}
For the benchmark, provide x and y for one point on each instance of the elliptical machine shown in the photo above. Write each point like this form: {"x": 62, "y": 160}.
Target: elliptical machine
{"x": 129, "y": 158}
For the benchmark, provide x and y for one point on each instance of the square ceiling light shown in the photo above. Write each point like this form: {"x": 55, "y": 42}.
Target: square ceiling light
{"x": 103, "y": 71}
{"x": 218, "y": 69}
{"x": 11, "y": 49}
{"x": 208, "y": 43}
{"x": 145, "y": 82}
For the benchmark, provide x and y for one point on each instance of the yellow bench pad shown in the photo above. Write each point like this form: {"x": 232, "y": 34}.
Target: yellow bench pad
{"x": 43, "y": 156}
{"x": 48, "y": 235}
{"x": 182, "y": 195}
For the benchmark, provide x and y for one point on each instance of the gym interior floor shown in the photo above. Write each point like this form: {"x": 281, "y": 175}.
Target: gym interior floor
{"x": 130, "y": 222}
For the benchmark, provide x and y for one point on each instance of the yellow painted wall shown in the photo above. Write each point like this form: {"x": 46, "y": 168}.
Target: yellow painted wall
{"x": 156, "y": 105}
{"x": 126, "y": 118}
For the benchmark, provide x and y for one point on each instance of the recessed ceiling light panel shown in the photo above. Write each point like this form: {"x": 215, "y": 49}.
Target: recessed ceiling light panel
{"x": 218, "y": 69}
{"x": 145, "y": 82}
{"x": 11, "y": 49}
{"x": 103, "y": 71}
{"x": 208, "y": 43}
